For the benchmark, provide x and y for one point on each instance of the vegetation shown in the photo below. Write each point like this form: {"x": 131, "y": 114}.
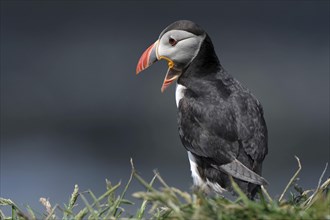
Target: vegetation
{"x": 172, "y": 203}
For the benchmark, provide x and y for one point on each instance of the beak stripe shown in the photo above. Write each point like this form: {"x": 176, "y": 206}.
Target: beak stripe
{"x": 150, "y": 56}
{"x": 144, "y": 60}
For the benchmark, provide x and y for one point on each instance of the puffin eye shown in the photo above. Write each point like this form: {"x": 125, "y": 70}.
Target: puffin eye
{"x": 172, "y": 41}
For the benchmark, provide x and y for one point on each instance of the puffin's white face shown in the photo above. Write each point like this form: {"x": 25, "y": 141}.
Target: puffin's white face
{"x": 179, "y": 47}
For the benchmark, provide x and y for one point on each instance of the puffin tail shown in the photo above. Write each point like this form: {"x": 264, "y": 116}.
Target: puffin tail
{"x": 240, "y": 171}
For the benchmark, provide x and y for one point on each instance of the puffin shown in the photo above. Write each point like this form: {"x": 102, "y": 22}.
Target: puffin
{"x": 220, "y": 122}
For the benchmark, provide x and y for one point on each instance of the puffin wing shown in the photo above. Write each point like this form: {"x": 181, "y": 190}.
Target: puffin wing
{"x": 251, "y": 126}
{"x": 240, "y": 171}
{"x": 208, "y": 131}
{"x": 217, "y": 131}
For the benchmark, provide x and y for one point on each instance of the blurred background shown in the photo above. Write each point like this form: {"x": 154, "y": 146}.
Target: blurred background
{"x": 73, "y": 110}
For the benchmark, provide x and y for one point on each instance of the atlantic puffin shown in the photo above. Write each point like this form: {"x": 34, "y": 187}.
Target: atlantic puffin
{"x": 221, "y": 123}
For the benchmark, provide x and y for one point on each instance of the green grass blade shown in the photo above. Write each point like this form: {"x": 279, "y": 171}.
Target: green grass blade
{"x": 291, "y": 180}
{"x": 119, "y": 201}
{"x": 141, "y": 210}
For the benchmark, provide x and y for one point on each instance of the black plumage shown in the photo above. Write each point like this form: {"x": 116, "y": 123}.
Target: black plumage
{"x": 220, "y": 121}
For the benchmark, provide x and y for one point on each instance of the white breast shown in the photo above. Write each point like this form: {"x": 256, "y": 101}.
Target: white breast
{"x": 179, "y": 93}
{"x": 194, "y": 171}
{"x": 206, "y": 186}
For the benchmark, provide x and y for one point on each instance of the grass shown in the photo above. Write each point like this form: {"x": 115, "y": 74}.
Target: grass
{"x": 171, "y": 203}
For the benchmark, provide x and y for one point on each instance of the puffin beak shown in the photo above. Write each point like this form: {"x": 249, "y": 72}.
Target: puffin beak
{"x": 171, "y": 75}
{"x": 149, "y": 57}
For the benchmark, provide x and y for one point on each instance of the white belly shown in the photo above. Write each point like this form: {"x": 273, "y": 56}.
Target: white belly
{"x": 206, "y": 186}
{"x": 194, "y": 171}
{"x": 179, "y": 93}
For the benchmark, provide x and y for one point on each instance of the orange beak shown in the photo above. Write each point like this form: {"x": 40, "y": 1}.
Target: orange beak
{"x": 149, "y": 57}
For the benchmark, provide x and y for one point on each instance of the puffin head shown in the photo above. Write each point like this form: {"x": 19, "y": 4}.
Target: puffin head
{"x": 178, "y": 44}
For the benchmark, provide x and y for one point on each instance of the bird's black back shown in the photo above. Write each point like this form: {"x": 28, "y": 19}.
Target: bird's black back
{"x": 220, "y": 120}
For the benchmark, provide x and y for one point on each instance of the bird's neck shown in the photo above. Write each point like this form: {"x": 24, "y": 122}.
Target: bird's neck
{"x": 205, "y": 66}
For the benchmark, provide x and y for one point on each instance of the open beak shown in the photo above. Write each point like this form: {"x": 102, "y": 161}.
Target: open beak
{"x": 149, "y": 57}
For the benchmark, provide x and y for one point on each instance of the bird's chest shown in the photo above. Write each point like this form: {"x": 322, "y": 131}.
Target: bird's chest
{"x": 179, "y": 93}
{"x": 184, "y": 101}
{"x": 194, "y": 106}
{"x": 184, "y": 112}
{"x": 202, "y": 114}
{"x": 190, "y": 113}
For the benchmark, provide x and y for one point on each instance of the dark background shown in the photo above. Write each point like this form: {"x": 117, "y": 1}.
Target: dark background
{"x": 73, "y": 111}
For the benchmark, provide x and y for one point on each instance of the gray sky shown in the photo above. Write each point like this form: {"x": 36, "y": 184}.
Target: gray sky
{"x": 73, "y": 111}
